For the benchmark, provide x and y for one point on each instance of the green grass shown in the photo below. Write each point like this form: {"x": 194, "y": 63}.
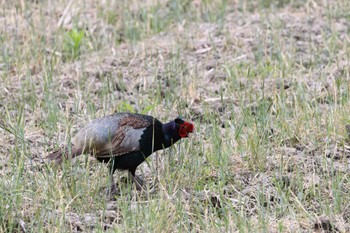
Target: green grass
{"x": 266, "y": 84}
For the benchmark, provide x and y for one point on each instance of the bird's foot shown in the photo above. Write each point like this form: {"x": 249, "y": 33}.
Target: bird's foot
{"x": 112, "y": 192}
{"x": 139, "y": 183}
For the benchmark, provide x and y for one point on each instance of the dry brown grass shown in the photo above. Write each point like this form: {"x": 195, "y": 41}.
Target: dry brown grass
{"x": 267, "y": 86}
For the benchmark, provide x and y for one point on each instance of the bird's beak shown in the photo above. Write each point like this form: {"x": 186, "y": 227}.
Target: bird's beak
{"x": 189, "y": 134}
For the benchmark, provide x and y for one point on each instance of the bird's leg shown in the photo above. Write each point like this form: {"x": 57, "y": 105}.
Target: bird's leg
{"x": 113, "y": 186}
{"x": 137, "y": 180}
{"x": 112, "y": 190}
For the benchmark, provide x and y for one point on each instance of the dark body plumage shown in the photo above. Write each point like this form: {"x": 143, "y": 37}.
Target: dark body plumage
{"x": 151, "y": 140}
{"x": 124, "y": 140}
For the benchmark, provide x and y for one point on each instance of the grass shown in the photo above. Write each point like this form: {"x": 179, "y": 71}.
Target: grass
{"x": 265, "y": 82}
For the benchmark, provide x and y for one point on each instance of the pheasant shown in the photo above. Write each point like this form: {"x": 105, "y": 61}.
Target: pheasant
{"x": 124, "y": 140}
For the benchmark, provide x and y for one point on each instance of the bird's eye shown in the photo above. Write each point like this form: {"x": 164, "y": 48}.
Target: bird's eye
{"x": 188, "y": 126}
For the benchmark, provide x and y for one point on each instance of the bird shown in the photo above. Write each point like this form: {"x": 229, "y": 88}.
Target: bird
{"x": 124, "y": 140}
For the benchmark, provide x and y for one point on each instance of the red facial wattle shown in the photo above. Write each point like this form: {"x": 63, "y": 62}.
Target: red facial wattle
{"x": 185, "y": 129}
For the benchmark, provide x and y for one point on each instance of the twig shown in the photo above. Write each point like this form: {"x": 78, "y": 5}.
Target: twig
{"x": 64, "y": 14}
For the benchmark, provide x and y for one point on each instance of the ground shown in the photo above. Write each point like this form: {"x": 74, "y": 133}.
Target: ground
{"x": 266, "y": 84}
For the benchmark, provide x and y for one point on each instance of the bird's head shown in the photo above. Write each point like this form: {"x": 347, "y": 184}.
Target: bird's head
{"x": 175, "y": 130}
{"x": 184, "y": 128}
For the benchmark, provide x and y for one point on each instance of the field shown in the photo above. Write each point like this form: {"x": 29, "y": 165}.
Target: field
{"x": 266, "y": 84}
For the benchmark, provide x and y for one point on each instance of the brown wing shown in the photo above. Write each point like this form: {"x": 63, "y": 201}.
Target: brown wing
{"x": 125, "y": 139}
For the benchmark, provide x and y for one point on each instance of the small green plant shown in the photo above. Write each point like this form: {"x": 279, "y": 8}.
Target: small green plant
{"x": 72, "y": 43}
{"x": 126, "y": 107}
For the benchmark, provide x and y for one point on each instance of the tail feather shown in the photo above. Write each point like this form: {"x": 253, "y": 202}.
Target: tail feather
{"x": 63, "y": 153}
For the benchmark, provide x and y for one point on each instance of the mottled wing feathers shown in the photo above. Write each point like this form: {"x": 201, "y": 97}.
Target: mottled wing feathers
{"x": 126, "y": 138}
{"x": 134, "y": 121}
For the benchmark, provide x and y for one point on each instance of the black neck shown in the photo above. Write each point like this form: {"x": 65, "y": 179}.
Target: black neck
{"x": 159, "y": 136}
{"x": 171, "y": 135}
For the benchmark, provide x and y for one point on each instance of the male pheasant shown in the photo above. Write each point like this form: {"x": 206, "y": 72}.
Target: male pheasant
{"x": 124, "y": 140}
